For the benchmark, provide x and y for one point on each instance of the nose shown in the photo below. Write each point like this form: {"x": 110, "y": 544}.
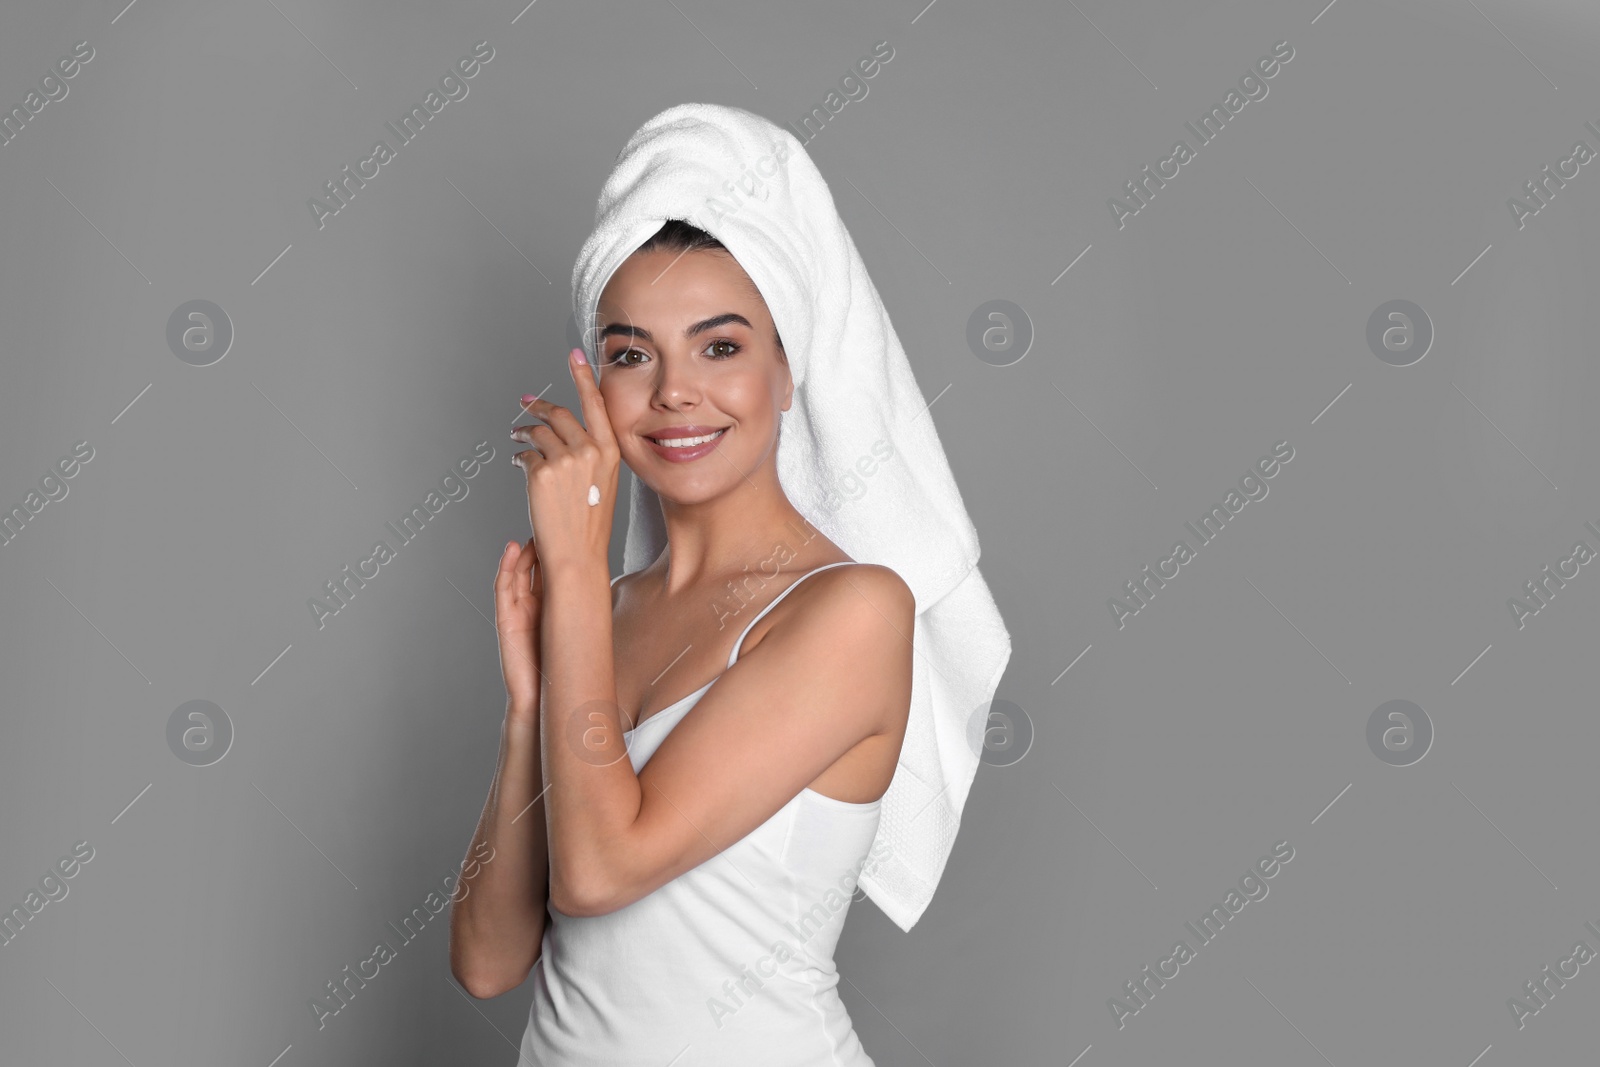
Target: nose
{"x": 677, "y": 384}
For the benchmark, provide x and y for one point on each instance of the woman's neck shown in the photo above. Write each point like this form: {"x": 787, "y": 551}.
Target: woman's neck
{"x": 721, "y": 539}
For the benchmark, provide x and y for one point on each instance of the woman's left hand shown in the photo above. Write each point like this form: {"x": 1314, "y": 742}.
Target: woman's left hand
{"x": 566, "y": 460}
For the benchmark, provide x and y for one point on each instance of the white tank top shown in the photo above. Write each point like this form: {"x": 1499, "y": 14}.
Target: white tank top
{"x": 729, "y": 964}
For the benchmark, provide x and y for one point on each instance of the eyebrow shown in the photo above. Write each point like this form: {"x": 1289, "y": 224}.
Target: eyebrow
{"x": 620, "y": 329}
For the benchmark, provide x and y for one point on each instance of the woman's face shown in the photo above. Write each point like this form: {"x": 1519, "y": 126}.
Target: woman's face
{"x": 686, "y": 348}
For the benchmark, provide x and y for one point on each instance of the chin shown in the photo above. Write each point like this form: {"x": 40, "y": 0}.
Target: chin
{"x": 684, "y": 487}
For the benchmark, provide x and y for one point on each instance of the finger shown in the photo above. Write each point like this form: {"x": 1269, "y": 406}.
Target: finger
{"x": 539, "y": 435}
{"x": 521, "y": 573}
{"x": 527, "y": 460}
{"x": 565, "y": 424}
{"x": 503, "y": 570}
{"x": 594, "y": 405}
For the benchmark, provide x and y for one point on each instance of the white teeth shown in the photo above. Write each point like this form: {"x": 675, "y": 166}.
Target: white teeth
{"x": 687, "y": 442}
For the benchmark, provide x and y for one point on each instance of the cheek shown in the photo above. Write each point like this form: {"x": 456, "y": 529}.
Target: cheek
{"x": 751, "y": 399}
{"x": 622, "y": 407}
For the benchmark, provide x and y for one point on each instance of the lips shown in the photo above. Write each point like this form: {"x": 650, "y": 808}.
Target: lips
{"x": 679, "y": 453}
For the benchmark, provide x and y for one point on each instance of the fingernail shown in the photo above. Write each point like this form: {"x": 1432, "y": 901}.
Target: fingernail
{"x": 527, "y": 398}
{"x": 577, "y": 355}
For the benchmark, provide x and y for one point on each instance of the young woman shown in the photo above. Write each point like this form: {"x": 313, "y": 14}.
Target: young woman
{"x": 690, "y": 769}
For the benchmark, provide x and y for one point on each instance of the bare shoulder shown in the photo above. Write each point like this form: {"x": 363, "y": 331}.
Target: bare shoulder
{"x": 858, "y": 612}
{"x": 870, "y": 588}
{"x": 859, "y": 619}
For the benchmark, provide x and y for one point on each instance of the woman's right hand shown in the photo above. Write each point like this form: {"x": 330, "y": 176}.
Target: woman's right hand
{"x": 518, "y": 593}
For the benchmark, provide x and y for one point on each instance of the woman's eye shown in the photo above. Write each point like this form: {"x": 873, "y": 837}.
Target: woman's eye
{"x": 728, "y": 351}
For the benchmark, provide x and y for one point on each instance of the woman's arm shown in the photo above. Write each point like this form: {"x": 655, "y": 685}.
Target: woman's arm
{"x": 594, "y": 791}
{"x": 497, "y": 916}
{"x": 835, "y": 670}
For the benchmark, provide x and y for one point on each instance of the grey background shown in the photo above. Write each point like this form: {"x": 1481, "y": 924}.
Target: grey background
{"x": 1230, "y": 313}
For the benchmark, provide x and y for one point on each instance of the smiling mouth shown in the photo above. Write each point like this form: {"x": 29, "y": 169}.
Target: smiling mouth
{"x": 687, "y": 442}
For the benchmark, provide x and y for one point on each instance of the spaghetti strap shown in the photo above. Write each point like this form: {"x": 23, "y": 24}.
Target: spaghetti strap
{"x": 740, "y": 643}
